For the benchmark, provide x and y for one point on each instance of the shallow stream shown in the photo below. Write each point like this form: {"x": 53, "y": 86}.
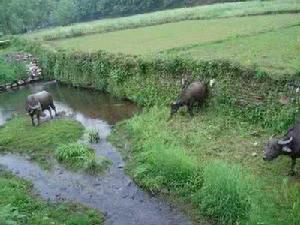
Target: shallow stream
{"x": 114, "y": 194}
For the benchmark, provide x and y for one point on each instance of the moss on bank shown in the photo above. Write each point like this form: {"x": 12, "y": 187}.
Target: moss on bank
{"x": 18, "y": 135}
{"x": 19, "y": 206}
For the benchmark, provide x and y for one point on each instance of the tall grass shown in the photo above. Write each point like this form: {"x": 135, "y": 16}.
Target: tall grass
{"x": 162, "y": 166}
{"x": 196, "y": 13}
{"x": 225, "y": 194}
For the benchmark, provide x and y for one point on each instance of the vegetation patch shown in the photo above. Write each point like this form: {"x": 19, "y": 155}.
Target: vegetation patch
{"x": 19, "y": 206}
{"x": 18, "y": 135}
{"x": 79, "y": 156}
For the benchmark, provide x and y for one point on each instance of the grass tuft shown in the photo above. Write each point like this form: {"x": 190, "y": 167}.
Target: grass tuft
{"x": 80, "y": 156}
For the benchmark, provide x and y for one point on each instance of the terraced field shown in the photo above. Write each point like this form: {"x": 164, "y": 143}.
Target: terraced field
{"x": 161, "y": 37}
{"x": 275, "y": 52}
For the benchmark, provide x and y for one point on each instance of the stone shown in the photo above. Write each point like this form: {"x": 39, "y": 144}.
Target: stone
{"x": 254, "y": 154}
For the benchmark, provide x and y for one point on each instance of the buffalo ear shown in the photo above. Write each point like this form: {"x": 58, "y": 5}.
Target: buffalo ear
{"x": 285, "y": 142}
{"x": 286, "y": 149}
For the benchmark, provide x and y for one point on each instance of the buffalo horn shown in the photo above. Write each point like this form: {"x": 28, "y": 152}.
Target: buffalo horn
{"x": 282, "y": 142}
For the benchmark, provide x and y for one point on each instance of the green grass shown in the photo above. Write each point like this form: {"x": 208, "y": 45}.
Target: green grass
{"x": 18, "y": 135}
{"x": 179, "y": 157}
{"x": 275, "y": 52}
{"x": 19, "y": 206}
{"x": 161, "y": 37}
{"x": 79, "y": 156}
{"x": 195, "y": 13}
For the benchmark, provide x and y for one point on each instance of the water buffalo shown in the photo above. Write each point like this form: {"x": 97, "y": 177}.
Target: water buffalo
{"x": 196, "y": 92}
{"x": 39, "y": 102}
{"x": 288, "y": 145}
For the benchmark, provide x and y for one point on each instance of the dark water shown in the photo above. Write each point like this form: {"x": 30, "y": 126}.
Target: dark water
{"x": 114, "y": 194}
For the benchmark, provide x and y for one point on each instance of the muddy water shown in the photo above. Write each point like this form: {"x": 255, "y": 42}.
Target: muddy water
{"x": 114, "y": 194}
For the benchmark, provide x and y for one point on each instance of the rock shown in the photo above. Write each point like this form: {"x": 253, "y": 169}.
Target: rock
{"x": 284, "y": 100}
{"x": 121, "y": 165}
{"x": 254, "y": 154}
{"x": 21, "y": 82}
{"x": 14, "y": 85}
{"x": 255, "y": 133}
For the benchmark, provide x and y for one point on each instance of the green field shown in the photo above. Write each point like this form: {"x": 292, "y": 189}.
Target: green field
{"x": 161, "y": 37}
{"x": 167, "y": 16}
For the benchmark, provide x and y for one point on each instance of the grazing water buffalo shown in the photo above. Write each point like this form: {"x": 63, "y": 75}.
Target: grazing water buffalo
{"x": 39, "y": 102}
{"x": 196, "y": 92}
{"x": 288, "y": 145}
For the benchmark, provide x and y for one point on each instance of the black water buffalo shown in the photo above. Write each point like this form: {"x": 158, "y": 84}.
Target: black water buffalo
{"x": 288, "y": 145}
{"x": 196, "y": 92}
{"x": 39, "y": 102}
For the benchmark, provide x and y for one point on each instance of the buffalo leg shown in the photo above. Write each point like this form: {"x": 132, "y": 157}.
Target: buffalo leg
{"x": 32, "y": 121}
{"x": 38, "y": 119}
{"x": 49, "y": 109}
{"x": 53, "y": 107}
{"x": 190, "y": 109}
{"x": 292, "y": 171}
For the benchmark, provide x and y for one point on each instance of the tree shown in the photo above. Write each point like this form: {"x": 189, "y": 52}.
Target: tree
{"x": 66, "y": 12}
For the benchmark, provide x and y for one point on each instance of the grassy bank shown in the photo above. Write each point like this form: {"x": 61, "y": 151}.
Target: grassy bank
{"x": 19, "y": 206}
{"x": 167, "y": 16}
{"x": 214, "y": 161}
{"x": 171, "y": 35}
{"x": 18, "y": 135}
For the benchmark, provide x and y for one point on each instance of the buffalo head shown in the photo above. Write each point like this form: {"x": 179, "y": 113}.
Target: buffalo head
{"x": 275, "y": 147}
